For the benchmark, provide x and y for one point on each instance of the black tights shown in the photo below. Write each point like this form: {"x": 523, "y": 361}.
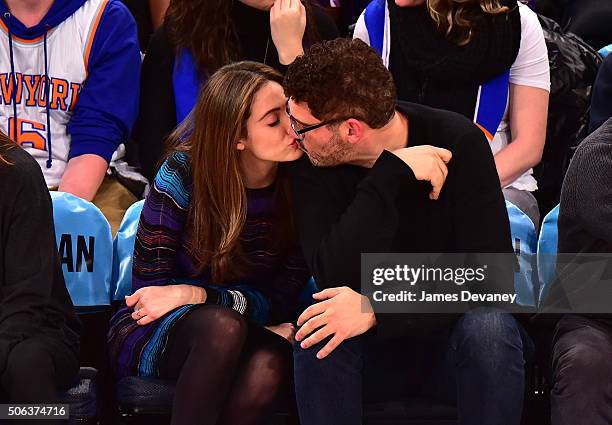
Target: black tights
{"x": 228, "y": 372}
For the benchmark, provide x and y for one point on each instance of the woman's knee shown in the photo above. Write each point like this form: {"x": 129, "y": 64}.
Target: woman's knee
{"x": 217, "y": 328}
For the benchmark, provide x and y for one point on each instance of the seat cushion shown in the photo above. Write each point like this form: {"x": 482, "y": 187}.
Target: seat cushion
{"x": 145, "y": 395}
{"x": 142, "y": 395}
{"x": 82, "y": 395}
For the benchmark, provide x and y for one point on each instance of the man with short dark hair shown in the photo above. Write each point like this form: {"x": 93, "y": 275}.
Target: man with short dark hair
{"x": 383, "y": 181}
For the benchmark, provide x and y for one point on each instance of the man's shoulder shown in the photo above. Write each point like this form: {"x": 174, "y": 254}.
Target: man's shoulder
{"x": 437, "y": 127}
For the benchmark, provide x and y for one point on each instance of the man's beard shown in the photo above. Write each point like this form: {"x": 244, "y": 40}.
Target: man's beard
{"x": 334, "y": 152}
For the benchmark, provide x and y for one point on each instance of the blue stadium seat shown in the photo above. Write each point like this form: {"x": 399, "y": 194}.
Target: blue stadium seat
{"x": 123, "y": 249}
{"x": 605, "y": 51}
{"x": 547, "y": 251}
{"x": 84, "y": 243}
{"x": 135, "y": 395}
{"x": 524, "y": 241}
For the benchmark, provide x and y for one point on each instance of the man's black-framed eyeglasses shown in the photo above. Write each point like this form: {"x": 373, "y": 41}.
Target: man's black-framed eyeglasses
{"x": 299, "y": 132}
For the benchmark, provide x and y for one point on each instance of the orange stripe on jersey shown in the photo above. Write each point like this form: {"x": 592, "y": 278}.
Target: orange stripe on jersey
{"x": 19, "y": 39}
{"x": 486, "y": 132}
{"x": 92, "y": 34}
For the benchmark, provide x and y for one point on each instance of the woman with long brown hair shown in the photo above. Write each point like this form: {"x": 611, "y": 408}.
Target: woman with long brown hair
{"x": 200, "y": 36}
{"x": 217, "y": 269}
{"x": 39, "y": 331}
{"x": 485, "y": 59}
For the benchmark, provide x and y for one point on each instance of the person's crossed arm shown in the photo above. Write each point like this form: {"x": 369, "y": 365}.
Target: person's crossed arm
{"x": 333, "y": 240}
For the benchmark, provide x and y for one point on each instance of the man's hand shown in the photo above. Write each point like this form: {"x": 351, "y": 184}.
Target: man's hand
{"x": 287, "y": 25}
{"x": 152, "y": 302}
{"x": 428, "y": 163}
{"x": 342, "y": 312}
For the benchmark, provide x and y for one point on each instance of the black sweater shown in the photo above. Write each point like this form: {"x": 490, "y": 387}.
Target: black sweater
{"x": 585, "y": 214}
{"x": 33, "y": 296}
{"x": 346, "y": 210}
{"x": 585, "y": 227}
{"x": 157, "y": 116}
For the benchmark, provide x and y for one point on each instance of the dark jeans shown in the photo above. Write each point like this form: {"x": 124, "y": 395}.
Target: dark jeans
{"x": 478, "y": 365}
{"x": 582, "y": 372}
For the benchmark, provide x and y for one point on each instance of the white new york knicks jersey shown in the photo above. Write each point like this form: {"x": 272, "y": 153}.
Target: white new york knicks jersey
{"x": 58, "y": 74}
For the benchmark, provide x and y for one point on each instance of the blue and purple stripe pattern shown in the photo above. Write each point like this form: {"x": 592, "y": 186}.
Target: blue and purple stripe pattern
{"x": 268, "y": 294}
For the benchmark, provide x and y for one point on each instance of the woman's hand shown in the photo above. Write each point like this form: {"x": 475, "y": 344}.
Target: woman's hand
{"x": 287, "y": 25}
{"x": 152, "y": 302}
{"x": 286, "y": 330}
{"x": 428, "y": 163}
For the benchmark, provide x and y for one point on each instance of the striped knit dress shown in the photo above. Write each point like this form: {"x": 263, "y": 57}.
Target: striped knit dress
{"x": 268, "y": 295}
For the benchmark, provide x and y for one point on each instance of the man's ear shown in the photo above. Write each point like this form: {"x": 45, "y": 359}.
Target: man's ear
{"x": 354, "y": 130}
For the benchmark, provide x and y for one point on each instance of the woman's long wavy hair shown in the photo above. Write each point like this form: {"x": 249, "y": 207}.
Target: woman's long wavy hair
{"x": 5, "y": 143}
{"x": 218, "y": 207}
{"x": 456, "y": 19}
{"x": 205, "y": 28}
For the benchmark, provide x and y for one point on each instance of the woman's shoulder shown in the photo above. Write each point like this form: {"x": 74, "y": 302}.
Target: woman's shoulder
{"x": 529, "y": 19}
{"x": 174, "y": 178}
{"x": 531, "y": 67}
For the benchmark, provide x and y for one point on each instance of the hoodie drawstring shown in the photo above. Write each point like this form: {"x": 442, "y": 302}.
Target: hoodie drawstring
{"x": 14, "y": 83}
{"x": 47, "y": 92}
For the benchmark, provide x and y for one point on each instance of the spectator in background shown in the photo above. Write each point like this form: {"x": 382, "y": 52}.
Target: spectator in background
{"x": 149, "y": 16}
{"x": 589, "y": 19}
{"x": 39, "y": 331}
{"x": 444, "y": 62}
{"x": 582, "y": 350}
{"x": 216, "y": 258}
{"x": 344, "y": 12}
{"x": 199, "y": 37}
{"x": 71, "y": 107}
{"x": 601, "y": 101}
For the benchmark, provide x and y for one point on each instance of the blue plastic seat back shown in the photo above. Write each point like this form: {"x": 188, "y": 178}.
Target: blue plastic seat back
{"x": 524, "y": 241}
{"x": 85, "y": 245}
{"x": 605, "y": 51}
{"x": 123, "y": 251}
{"x": 547, "y": 251}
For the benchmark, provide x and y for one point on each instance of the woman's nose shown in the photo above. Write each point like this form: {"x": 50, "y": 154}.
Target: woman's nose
{"x": 287, "y": 125}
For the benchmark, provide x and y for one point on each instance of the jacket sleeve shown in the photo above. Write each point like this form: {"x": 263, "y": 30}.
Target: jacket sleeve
{"x": 108, "y": 101}
{"x": 272, "y": 305}
{"x": 333, "y": 237}
{"x": 30, "y": 259}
